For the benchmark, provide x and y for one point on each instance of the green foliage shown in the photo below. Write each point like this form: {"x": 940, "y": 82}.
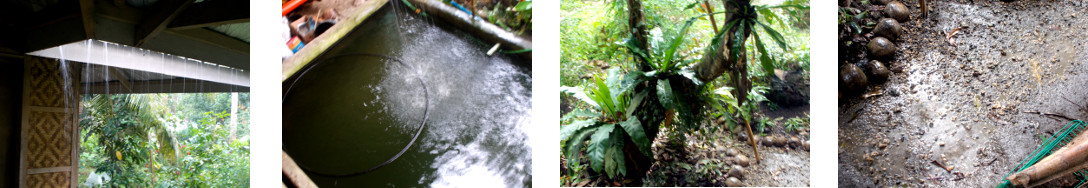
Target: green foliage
{"x": 730, "y": 105}
{"x": 763, "y": 122}
{"x": 748, "y": 20}
{"x": 663, "y": 53}
{"x": 849, "y": 18}
{"x": 128, "y": 128}
{"x": 590, "y": 38}
{"x": 796, "y": 123}
{"x": 158, "y": 140}
{"x": 602, "y": 136}
{"x": 516, "y": 17}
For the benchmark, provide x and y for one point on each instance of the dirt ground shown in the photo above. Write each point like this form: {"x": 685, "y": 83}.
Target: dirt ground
{"x": 781, "y": 166}
{"x": 963, "y": 104}
{"x": 704, "y": 159}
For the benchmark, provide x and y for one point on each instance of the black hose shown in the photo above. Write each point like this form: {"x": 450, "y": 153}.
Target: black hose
{"x": 426, "y": 112}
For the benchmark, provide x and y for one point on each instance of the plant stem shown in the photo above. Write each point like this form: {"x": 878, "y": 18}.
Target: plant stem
{"x": 709, "y": 10}
{"x": 752, "y": 140}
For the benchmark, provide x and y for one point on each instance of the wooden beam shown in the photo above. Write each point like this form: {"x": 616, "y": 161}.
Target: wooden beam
{"x": 86, "y": 7}
{"x": 24, "y": 118}
{"x": 121, "y": 13}
{"x": 214, "y": 38}
{"x": 212, "y": 13}
{"x": 164, "y": 13}
{"x": 121, "y": 77}
{"x": 292, "y": 172}
{"x": 49, "y": 170}
{"x": 51, "y": 109}
{"x": 165, "y": 86}
{"x": 129, "y": 58}
{"x": 51, "y": 15}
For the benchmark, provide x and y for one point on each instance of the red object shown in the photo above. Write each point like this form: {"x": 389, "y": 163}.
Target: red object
{"x": 291, "y": 5}
{"x": 295, "y": 44}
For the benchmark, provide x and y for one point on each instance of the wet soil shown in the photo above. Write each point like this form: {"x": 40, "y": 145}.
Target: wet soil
{"x": 704, "y": 160}
{"x": 962, "y": 103}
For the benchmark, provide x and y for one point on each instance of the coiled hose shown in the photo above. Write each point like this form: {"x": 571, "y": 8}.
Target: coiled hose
{"x": 426, "y": 112}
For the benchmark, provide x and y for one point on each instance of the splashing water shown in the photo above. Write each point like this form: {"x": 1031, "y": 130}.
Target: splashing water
{"x": 351, "y": 113}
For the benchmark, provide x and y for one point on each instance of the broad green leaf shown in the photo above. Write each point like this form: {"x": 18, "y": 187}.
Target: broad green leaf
{"x": 738, "y": 40}
{"x": 639, "y": 52}
{"x": 574, "y": 145}
{"x": 579, "y": 94}
{"x": 771, "y": 16}
{"x": 604, "y": 96}
{"x": 610, "y": 162}
{"x": 690, "y": 75}
{"x": 728, "y": 98}
{"x": 579, "y": 113}
{"x": 776, "y": 36}
{"x": 725, "y": 91}
{"x": 675, "y": 43}
{"x": 630, "y": 80}
{"x": 524, "y": 6}
{"x": 617, "y": 154}
{"x": 635, "y": 102}
{"x": 634, "y": 129}
{"x": 566, "y": 131}
{"x": 600, "y": 141}
{"x": 615, "y": 83}
{"x": 664, "y": 94}
{"x": 764, "y": 57}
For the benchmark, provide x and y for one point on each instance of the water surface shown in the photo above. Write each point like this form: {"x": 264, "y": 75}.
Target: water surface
{"x": 353, "y": 112}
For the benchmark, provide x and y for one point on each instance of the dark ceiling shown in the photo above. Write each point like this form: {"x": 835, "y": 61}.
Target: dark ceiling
{"x": 215, "y": 31}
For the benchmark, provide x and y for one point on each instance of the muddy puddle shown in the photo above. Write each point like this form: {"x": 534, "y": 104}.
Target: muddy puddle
{"x": 962, "y": 102}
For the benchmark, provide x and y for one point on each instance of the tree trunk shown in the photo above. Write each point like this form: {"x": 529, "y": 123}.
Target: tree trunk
{"x": 638, "y": 30}
{"x": 717, "y": 61}
{"x": 233, "y": 114}
{"x": 639, "y": 164}
{"x": 713, "y": 65}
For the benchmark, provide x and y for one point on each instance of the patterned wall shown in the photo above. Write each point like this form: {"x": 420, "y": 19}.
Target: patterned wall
{"x": 49, "y": 140}
{"x": 49, "y": 124}
{"x": 55, "y": 179}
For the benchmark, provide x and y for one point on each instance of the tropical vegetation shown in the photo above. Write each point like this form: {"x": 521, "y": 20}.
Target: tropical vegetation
{"x": 164, "y": 140}
{"x": 670, "y": 65}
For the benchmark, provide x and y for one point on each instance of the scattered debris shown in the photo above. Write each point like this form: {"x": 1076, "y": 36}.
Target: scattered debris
{"x": 938, "y": 163}
{"x": 953, "y": 34}
{"x": 1054, "y": 116}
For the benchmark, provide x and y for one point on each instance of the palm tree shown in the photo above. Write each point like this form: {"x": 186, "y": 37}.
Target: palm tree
{"x": 132, "y": 130}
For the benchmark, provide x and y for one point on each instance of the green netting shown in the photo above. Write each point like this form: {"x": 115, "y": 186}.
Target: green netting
{"x": 1064, "y": 136}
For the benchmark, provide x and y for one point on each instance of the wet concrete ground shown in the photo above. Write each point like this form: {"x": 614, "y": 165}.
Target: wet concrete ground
{"x": 963, "y": 104}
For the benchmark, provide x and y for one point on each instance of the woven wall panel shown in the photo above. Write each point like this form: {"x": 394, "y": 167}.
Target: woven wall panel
{"x": 49, "y": 128}
{"x": 46, "y": 82}
{"x": 55, "y": 179}
{"x": 49, "y": 142}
